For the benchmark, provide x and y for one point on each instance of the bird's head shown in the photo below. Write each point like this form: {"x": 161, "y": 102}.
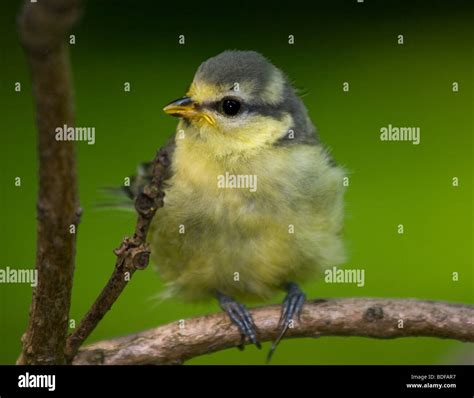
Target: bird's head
{"x": 240, "y": 98}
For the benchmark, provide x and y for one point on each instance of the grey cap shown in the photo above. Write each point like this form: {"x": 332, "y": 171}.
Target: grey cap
{"x": 234, "y": 66}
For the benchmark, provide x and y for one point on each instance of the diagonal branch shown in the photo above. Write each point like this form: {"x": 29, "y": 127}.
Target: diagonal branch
{"x": 42, "y": 29}
{"x": 177, "y": 342}
{"x": 132, "y": 254}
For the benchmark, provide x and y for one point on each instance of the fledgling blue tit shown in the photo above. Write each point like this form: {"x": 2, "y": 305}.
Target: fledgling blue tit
{"x": 254, "y": 203}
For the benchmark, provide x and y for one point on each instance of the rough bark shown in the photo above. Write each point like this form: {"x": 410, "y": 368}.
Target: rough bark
{"x": 376, "y": 318}
{"x": 42, "y": 29}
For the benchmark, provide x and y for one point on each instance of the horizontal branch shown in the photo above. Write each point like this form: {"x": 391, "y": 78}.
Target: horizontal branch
{"x": 177, "y": 342}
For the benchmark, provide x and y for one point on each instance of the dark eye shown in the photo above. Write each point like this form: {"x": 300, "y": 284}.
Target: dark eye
{"x": 230, "y": 106}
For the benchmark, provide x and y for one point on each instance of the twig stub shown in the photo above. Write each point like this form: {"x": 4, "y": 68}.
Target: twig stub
{"x": 132, "y": 254}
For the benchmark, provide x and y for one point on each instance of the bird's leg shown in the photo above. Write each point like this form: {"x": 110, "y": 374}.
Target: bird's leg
{"x": 292, "y": 305}
{"x": 240, "y": 316}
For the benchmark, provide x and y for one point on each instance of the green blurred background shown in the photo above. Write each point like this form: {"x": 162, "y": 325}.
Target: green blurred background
{"x": 391, "y": 182}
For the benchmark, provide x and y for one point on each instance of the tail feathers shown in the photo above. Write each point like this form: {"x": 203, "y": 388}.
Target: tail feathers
{"x": 138, "y": 181}
{"x": 122, "y": 198}
{"x": 113, "y": 198}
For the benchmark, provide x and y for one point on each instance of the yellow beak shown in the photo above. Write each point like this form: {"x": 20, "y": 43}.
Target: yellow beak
{"x": 182, "y": 107}
{"x": 187, "y": 108}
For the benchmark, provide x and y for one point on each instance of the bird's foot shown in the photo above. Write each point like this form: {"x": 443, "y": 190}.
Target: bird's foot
{"x": 240, "y": 316}
{"x": 292, "y": 305}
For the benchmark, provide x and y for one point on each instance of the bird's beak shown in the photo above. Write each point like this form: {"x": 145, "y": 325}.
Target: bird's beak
{"x": 187, "y": 108}
{"x": 182, "y": 107}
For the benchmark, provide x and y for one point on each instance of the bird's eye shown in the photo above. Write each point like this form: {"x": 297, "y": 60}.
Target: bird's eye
{"x": 230, "y": 106}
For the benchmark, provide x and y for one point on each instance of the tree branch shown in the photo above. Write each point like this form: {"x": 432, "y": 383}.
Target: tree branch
{"x": 42, "y": 28}
{"x": 132, "y": 254}
{"x": 377, "y": 318}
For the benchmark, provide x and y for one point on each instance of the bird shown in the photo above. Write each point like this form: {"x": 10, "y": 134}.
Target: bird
{"x": 253, "y": 202}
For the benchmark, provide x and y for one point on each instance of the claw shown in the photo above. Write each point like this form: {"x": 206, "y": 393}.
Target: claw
{"x": 241, "y": 317}
{"x": 292, "y": 305}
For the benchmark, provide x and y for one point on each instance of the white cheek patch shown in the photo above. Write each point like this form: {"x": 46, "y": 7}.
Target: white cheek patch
{"x": 258, "y": 127}
{"x": 232, "y": 123}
